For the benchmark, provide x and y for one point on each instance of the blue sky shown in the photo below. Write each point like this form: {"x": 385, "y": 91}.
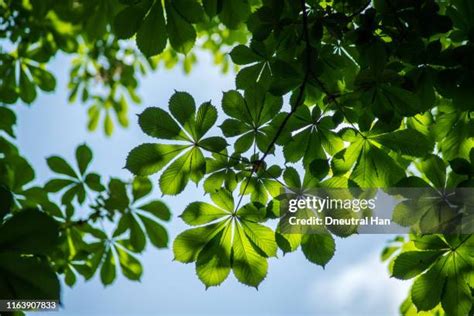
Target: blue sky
{"x": 353, "y": 283}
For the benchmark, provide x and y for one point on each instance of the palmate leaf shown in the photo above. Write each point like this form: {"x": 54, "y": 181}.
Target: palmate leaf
{"x": 111, "y": 256}
{"x": 229, "y": 240}
{"x": 74, "y": 182}
{"x": 250, "y": 115}
{"x": 256, "y": 56}
{"x": 183, "y": 161}
{"x": 373, "y": 166}
{"x": 262, "y": 184}
{"x": 310, "y": 136}
{"x": 274, "y": 73}
{"x": 442, "y": 271}
{"x": 140, "y": 219}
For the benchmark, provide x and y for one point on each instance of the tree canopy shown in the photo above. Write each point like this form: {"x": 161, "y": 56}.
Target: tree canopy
{"x": 328, "y": 94}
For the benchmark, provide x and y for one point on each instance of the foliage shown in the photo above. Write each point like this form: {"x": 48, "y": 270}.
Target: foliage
{"x": 43, "y": 234}
{"x": 340, "y": 93}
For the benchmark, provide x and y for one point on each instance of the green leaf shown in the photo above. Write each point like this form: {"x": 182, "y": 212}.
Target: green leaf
{"x": 157, "y": 209}
{"x": 92, "y": 180}
{"x": 258, "y": 72}
{"x": 206, "y": 117}
{"x": 44, "y": 79}
{"x": 233, "y": 105}
{"x": 223, "y": 198}
{"x": 461, "y": 166}
{"x": 411, "y": 263}
{"x": 406, "y": 142}
{"x": 183, "y": 107}
{"x": 191, "y": 165}
{"x": 243, "y": 55}
{"x": 156, "y": 233}
{"x": 141, "y": 186}
{"x": 434, "y": 169}
{"x": 137, "y": 236}
{"x": 457, "y": 298}
{"x": 56, "y": 185}
{"x": 27, "y": 278}
{"x": 212, "y": 7}
{"x": 198, "y": 213}
{"x": 131, "y": 267}
{"x": 191, "y": 10}
{"x": 108, "y": 125}
{"x": 181, "y": 33}
{"x": 128, "y": 21}
{"x": 157, "y": 123}
{"x": 118, "y": 196}
{"x": 6, "y": 202}
{"x": 27, "y": 87}
{"x": 375, "y": 169}
{"x": 108, "y": 270}
{"x": 213, "y": 144}
{"x": 234, "y": 12}
{"x": 7, "y": 120}
{"x": 249, "y": 267}
{"x": 231, "y": 128}
{"x": 402, "y": 101}
{"x": 345, "y": 159}
{"x": 262, "y": 237}
{"x": 148, "y": 159}
{"x": 59, "y": 165}
{"x": 188, "y": 244}
{"x": 69, "y": 277}
{"x": 83, "y": 158}
{"x": 319, "y": 168}
{"x": 453, "y": 131}
{"x": 151, "y": 36}
{"x": 29, "y": 232}
{"x": 319, "y": 247}
{"x": 287, "y": 242}
{"x": 213, "y": 262}
{"x": 292, "y": 178}
{"x": 427, "y": 288}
